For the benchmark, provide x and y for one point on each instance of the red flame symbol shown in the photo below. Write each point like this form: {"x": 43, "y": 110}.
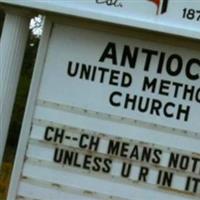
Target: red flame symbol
{"x": 157, "y": 2}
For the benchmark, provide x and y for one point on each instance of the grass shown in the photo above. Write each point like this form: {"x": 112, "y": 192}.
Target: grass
{"x": 5, "y": 171}
{"x": 4, "y": 179}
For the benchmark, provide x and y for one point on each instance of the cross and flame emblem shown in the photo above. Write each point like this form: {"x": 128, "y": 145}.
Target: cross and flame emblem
{"x": 161, "y": 6}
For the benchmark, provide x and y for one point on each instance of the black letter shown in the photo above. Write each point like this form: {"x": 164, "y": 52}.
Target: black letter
{"x": 172, "y": 69}
{"x": 81, "y": 145}
{"x": 149, "y": 53}
{"x": 46, "y": 134}
{"x": 112, "y": 102}
{"x": 150, "y": 85}
{"x": 109, "y": 52}
{"x": 126, "y": 170}
{"x": 69, "y": 69}
{"x": 144, "y": 171}
{"x": 131, "y": 57}
{"x": 188, "y": 69}
{"x": 113, "y": 147}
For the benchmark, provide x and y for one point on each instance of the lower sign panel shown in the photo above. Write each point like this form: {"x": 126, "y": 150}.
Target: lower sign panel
{"x": 112, "y": 122}
{"x": 90, "y": 161}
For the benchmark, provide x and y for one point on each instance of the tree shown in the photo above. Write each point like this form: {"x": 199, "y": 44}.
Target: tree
{"x": 1, "y": 20}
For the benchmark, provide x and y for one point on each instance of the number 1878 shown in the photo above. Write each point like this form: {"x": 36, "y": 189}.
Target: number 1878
{"x": 191, "y": 14}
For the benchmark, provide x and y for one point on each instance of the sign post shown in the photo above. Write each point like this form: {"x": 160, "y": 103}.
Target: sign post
{"x": 12, "y": 47}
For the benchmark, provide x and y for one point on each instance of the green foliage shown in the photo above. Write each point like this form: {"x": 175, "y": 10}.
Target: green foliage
{"x": 1, "y": 20}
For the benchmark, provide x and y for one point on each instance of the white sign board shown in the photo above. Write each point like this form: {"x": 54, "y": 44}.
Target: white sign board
{"x": 125, "y": 77}
{"x": 180, "y": 17}
{"x": 115, "y": 118}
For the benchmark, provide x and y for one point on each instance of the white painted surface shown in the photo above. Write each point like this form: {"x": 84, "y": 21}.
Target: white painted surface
{"x": 135, "y": 13}
{"x": 94, "y": 95}
{"x": 29, "y": 112}
{"x": 12, "y": 47}
{"x": 81, "y": 107}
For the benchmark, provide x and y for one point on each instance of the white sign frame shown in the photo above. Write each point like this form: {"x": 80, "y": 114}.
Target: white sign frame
{"x": 72, "y": 8}
{"x": 12, "y": 48}
{"x": 26, "y": 127}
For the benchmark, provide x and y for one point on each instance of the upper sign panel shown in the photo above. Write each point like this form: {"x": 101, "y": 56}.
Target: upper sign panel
{"x": 169, "y": 16}
{"x": 131, "y": 78}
